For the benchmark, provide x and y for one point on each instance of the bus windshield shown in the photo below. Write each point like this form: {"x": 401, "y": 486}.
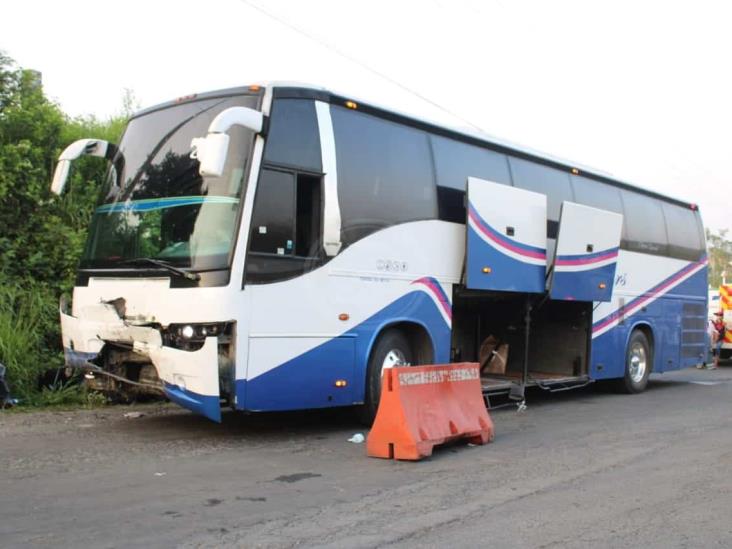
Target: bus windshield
{"x": 155, "y": 205}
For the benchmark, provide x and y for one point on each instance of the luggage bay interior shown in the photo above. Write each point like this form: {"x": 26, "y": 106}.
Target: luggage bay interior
{"x": 559, "y": 335}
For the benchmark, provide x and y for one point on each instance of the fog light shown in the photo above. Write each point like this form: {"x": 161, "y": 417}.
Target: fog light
{"x": 187, "y": 332}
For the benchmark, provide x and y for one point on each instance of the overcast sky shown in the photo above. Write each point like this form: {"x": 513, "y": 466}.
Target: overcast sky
{"x": 642, "y": 90}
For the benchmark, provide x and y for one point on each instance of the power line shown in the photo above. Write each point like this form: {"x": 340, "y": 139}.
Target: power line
{"x": 359, "y": 63}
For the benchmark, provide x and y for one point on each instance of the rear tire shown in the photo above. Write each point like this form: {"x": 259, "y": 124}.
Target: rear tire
{"x": 392, "y": 348}
{"x": 638, "y": 363}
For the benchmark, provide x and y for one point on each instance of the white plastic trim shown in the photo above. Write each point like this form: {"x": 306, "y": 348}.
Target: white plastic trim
{"x": 241, "y": 116}
{"x": 89, "y": 147}
{"x": 331, "y": 211}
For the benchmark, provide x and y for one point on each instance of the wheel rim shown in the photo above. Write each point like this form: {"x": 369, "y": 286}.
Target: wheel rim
{"x": 638, "y": 362}
{"x": 395, "y": 357}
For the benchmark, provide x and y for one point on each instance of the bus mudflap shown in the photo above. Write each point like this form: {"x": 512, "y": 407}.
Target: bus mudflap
{"x": 190, "y": 378}
{"x": 506, "y": 238}
{"x": 586, "y": 254}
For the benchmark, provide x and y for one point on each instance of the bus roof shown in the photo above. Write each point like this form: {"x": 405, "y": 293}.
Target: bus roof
{"x": 283, "y": 89}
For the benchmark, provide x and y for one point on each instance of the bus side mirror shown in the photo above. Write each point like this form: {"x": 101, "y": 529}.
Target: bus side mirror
{"x": 211, "y": 151}
{"x": 89, "y": 147}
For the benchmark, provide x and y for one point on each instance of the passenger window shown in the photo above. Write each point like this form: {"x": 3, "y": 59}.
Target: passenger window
{"x": 385, "y": 174}
{"x": 454, "y": 163}
{"x": 542, "y": 179}
{"x": 645, "y": 224}
{"x": 286, "y": 226}
{"x": 293, "y": 139}
{"x": 599, "y": 195}
{"x": 273, "y": 218}
{"x": 596, "y": 194}
{"x": 683, "y": 236}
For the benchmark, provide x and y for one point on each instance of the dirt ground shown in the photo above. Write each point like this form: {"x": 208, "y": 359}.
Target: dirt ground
{"x": 578, "y": 469}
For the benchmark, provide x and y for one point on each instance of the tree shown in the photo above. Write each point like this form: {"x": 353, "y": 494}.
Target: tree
{"x": 720, "y": 256}
{"x": 42, "y": 235}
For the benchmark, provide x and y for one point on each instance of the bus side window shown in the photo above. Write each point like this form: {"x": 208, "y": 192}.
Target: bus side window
{"x": 285, "y": 234}
{"x": 645, "y": 224}
{"x": 454, "y": 163}
{"x": 273, "y": 219}
{"x": 684, "y": 239}
{"x": 599, "y": 195}
{"x": 308, "y": 216}
{"x": 543, "y": 179}
{"x": 385, "y": 174}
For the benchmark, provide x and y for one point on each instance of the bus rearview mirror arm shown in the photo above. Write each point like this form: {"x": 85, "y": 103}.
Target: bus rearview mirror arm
{"x": 82, "y": 147}
{"x": 211, "y": 151}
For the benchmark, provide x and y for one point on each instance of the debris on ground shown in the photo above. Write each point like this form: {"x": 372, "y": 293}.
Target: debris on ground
{"x": 358, "y": 438}
{"x": 133, "y": 415}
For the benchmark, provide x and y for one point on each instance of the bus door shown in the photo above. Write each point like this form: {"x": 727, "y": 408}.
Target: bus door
{"x": 506, "y": 238}
{"x": 583, "y": 267}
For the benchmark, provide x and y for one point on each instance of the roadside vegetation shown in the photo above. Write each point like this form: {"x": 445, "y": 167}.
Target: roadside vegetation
{"x": 41, "y": 236}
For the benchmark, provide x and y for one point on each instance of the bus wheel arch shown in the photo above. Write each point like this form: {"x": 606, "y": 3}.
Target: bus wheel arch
{"x": 638, "y": 359}
{"x": 399, "y": 342}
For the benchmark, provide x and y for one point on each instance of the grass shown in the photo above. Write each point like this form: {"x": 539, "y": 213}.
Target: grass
{"x": 29, "y": 343}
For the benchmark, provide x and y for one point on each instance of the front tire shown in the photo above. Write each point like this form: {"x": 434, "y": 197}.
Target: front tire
{"x": 391, "y": 349}
{"x": 638, "y": 363}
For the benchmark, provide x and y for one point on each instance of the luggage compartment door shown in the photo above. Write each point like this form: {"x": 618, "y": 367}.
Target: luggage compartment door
{"x": 506, "y": 238}
{"x": 586, "y": 254}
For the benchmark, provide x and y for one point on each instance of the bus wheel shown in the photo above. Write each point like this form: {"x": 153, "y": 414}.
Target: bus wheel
{"x": 638, "y": 361}
{"x": 391, "y": 349}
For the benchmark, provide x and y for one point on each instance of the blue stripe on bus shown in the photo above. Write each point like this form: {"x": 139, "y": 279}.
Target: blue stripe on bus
{"x": 662, "y": 316}
{"x": 506, "y": 273}
{"x": 307, "y": 381}
{"x": 584, "y": 285}
{"x": 206, "y": 405}
{"x": 503, "y": 242}
{"x": 150, "y": 204}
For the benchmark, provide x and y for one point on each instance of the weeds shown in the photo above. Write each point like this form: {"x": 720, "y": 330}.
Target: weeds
{"x": 27, "y": 324}
{"x": 66, "y": 394}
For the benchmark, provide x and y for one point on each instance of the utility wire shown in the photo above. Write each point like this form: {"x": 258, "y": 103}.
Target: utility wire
{"x": 358, "y": 62}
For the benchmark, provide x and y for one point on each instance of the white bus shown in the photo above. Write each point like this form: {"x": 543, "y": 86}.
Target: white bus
{"x": 329, "y": 239}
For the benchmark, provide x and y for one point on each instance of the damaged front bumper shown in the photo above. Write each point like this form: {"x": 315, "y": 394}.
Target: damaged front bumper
{"x": 189, "y": 378}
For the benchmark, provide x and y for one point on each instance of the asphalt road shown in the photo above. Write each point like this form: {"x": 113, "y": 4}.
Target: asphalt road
{"x": 579, "y": 469}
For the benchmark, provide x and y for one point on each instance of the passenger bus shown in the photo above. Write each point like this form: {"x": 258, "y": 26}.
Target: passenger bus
{"x": 275, "y": 247}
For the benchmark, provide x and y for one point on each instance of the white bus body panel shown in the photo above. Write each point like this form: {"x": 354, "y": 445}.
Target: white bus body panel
{"x": 506, "y": 238}
{"x": 586, "y": 253}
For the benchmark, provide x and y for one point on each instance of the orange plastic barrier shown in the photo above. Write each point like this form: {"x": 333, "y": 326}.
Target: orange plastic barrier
{"x": 423, "y": 406}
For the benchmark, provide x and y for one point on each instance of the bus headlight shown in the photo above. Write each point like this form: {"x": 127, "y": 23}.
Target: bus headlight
{"x": 190, "y": 337}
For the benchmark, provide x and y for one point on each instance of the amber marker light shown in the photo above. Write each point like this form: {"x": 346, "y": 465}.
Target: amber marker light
{"x": 575, "y": 171}
{"x": 602, "y": 285}
{"x": 487, "y": 270}
{"x": 255, "y": 88}
{"x": 351, "y": 105}
{"x": 340, "y": 383}
{"x": 344, "y": 316}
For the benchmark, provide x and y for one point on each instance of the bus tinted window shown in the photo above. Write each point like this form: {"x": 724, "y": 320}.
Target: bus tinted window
{"x": 273, "y": 219}
{"x": 384, "y": 174}
{"x": 541, "y": 179}
{"x": 644, "y": 223}
{"x": 683, "y": 235}
{"x": 293, "y": 139}
{"x": 596, "y": 194}
{"x": 454, "y": 163}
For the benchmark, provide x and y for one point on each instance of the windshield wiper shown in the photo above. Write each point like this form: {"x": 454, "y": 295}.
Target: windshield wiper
{"x": 163, "y": 265}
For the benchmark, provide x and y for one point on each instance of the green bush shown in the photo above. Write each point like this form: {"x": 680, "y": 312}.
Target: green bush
{"x": 41, "y": 235}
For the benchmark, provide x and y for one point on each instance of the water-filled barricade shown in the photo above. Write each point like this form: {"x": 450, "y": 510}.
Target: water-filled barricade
{"x": 424, "y": 406}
